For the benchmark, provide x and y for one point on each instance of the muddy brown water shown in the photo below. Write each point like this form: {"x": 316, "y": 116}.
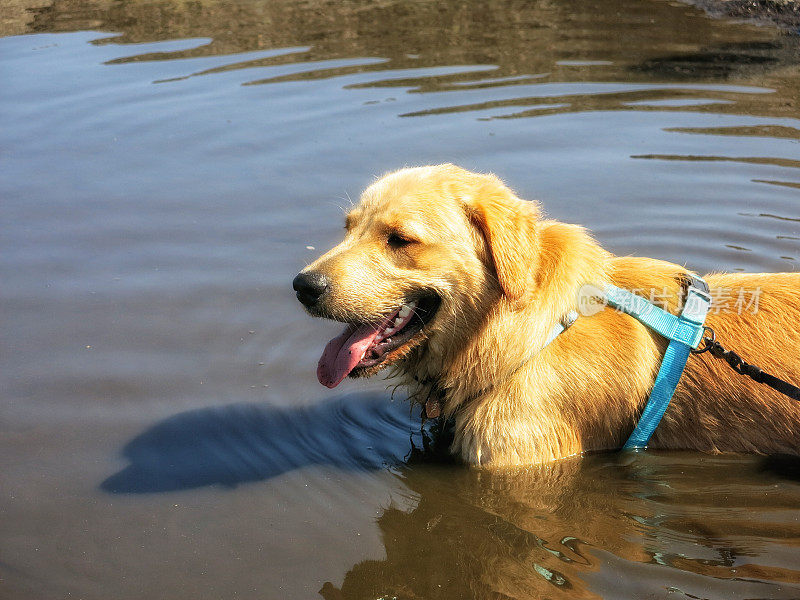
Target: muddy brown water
{"x": 167, "y": 167}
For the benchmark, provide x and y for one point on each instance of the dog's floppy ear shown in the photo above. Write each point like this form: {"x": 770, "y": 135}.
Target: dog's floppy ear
{"x": 509, "y": 226}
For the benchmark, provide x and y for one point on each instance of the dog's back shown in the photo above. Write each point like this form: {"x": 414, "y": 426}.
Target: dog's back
{"x": 756, "y": 316}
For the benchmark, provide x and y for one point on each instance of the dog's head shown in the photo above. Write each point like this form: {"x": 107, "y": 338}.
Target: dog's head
{"x": 427, "y": 253}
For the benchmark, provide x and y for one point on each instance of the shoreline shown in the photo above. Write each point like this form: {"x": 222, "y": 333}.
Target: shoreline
{"x": 783, "y": 14}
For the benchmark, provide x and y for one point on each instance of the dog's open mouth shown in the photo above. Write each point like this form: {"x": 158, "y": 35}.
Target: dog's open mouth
{"x": 362, "y": 349}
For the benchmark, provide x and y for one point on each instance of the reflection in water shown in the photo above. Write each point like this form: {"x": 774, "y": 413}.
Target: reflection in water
{"x": 769, "y": 216}
{"x": 718, "y": 62}
{"x": 685, "y": 524}
{"x": 700, "y": 526}
{"x": 544, "y": 58}
{"x": 789, "y": 184}
{"x": 755, "y": 160}
{"x": 767, "y": 131}
{"x": 584, "y": 97}
{"x": 555, "y": 40}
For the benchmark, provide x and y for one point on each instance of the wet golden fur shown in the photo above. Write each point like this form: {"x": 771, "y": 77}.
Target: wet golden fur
{"x": 506, "y": 275}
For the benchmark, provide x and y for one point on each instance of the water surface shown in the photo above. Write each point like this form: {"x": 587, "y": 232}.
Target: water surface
{"x": 165, "y": 170}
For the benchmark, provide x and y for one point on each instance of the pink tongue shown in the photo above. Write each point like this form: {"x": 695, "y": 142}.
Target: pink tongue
{"x": 344, "y": 352}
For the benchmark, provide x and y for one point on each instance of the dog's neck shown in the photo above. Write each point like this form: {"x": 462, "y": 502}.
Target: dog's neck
{"x": 510, "y": 333}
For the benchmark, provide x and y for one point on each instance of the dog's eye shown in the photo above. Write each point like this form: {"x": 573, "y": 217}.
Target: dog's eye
{"x": 395, "y": 240}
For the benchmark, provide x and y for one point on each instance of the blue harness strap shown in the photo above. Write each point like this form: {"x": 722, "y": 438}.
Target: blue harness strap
{"x": 684, "y": 332}
{"x": 560, "y": 327}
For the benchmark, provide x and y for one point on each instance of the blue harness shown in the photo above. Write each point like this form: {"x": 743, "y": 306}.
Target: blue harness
{"x": 684, "y": 332}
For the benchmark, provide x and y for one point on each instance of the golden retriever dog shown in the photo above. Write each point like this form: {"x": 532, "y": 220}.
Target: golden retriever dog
{"x": 453, "y": 283}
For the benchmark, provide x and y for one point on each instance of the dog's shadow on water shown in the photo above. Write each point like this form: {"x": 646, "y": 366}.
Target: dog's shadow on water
{"x": 238, "y": 443}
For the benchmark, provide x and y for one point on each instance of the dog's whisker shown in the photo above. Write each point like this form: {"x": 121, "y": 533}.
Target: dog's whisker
{"x": 336, "y": 203}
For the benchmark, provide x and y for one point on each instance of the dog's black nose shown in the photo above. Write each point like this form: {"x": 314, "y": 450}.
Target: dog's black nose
{"x": 309, "y": 287}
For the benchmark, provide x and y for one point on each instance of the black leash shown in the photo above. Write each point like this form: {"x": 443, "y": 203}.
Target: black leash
{"x": 742, "y": 367}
